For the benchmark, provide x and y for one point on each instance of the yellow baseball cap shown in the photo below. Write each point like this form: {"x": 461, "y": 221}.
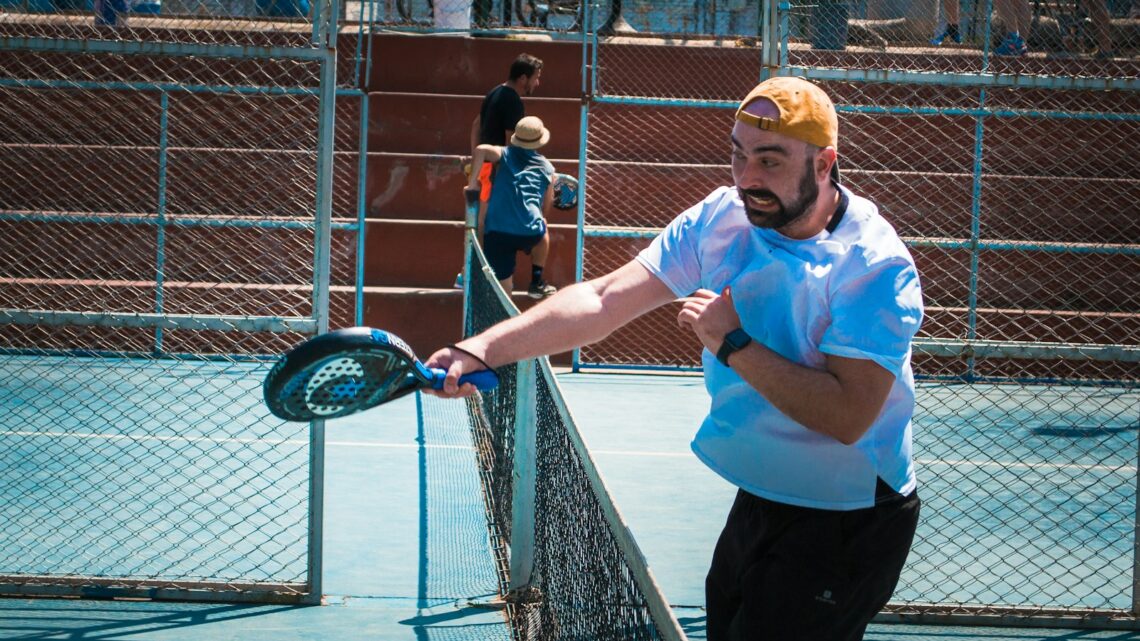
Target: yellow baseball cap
{"x": 806, "y": 112}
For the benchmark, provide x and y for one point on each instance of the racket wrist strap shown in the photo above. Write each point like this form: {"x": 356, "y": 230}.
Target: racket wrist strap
{"x": 481, "y": 361}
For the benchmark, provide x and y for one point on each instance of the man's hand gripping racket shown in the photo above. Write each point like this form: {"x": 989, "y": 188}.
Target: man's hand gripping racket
{"x": 350, "y": 370}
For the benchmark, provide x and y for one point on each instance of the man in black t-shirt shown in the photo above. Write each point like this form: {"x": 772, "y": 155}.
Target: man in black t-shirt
{"x": 503, "y": 106}
{"x": 501, "y": 110}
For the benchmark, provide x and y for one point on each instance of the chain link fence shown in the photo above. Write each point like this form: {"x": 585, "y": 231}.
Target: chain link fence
{"x": 163, "y": 169}
{"x": 165, "y": 230}
{"x": 1011, "y": 177}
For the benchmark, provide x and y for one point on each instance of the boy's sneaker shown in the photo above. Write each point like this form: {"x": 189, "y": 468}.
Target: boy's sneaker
{"x": 1013, "y": 45}
{"x": 951, "y": 31}
{"x": 540, "y": 289}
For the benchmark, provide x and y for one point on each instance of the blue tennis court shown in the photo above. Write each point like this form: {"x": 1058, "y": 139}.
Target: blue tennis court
{"x": 406, "y": 550}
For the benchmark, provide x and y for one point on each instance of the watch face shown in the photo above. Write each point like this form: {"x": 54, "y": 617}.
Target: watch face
{"x": 738, "y": 338}
{"x": 733, "y": 341}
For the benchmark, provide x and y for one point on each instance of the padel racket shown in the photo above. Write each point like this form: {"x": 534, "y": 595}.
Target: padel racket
{"x": 349, "y": 370}
{"x": 565, "y": 191}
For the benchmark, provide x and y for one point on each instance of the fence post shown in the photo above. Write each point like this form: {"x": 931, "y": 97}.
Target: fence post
{"x": 361, "y": 208}
{"x": 1136, "y": 542}
{"x": 325, "y": 36}
{"x": 769, "y": 38}
{"x": 160, "y": 259}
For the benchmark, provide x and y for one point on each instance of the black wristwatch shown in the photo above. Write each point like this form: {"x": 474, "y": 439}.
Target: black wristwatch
{"x": 734, "y": 341}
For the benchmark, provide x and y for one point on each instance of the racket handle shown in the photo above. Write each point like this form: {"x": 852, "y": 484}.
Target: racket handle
{"x": 471, "y": 196}
{"x": 485, "y": 379}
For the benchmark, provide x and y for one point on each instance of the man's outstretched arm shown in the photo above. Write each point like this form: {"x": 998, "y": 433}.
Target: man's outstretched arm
{"x": 577, "y": 315}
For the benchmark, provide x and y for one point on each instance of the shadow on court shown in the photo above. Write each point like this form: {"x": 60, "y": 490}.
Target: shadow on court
{"x": 113, "y": 620}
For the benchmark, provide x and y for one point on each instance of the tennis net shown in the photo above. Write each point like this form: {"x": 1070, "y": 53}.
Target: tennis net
{"x": 570, "y": 567}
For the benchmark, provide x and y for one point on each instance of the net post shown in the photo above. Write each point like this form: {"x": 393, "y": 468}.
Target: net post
{"x": 470, "y": 225}
{"x": 523, "y": 477}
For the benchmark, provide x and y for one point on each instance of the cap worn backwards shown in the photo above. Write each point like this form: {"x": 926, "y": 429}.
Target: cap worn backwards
{"x": 805, "y": 111}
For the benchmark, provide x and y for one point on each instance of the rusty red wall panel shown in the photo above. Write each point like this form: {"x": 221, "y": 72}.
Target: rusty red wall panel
{"x": 426, "y": 254}
{"x": 429, "y": 187}
{"x": 441, "y": 124}
{"x": 450, "y": 65}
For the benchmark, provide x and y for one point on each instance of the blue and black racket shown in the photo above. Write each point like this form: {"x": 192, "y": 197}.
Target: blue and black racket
{"x": 565, "y": 191}
{"x": 350, "y": 370}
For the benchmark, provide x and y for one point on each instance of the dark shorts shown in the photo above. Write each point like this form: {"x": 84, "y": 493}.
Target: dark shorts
{"x": 501, "y": 250}
{"x": 788, "y": 573}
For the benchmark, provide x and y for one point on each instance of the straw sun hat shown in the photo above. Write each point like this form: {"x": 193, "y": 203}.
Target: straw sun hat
{"x": 530, "y": 133}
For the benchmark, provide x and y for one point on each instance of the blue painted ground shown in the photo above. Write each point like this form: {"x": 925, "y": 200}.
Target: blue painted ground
{"x": 405, "y": 543}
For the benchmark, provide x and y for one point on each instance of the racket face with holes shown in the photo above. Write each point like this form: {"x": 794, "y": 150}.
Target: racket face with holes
{"x": 565, "y": 191}
{"x": 341, "y": 373}
{"x": 349, "y": 370}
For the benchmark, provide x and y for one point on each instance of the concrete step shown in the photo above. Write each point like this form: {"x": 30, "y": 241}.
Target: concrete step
{"x": 427, "y": 318}
{"x": 924, "y": 59}
{"x": 1018, "y": 280}
{"x": 406, "y": 64}
{"x": 922, "y": 144}
{"x": 430, "y": 187}
{"x": 935, "y": 205}
{"x": 84, "y": 251}
{"x": 1006, "y": 279}
{"x": 1022, "y": 208}
{"x": 178, "y": 297}
{"x": 194, "y": 120}
{"x": 199, "y": 182}
{"x": 419, "y": 123}
{"x": 621, "y": 194}
{"x": 428, "y": 254}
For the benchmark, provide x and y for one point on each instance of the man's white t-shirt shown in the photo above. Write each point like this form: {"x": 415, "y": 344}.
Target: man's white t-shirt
{"x": 852, "y": 292}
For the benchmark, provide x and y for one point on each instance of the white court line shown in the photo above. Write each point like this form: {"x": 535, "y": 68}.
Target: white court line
{"x": 207, "y": 439}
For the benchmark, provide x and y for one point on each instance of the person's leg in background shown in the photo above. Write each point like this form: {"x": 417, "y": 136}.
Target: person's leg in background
{"x": 1015, "y": 14}
{"x": 1098, "y": 16}
{"x": 539, "y": 288}
{"x": 480, "y": 13}
{"x": 951, "y": 28}
{"x": 500, "y": 251}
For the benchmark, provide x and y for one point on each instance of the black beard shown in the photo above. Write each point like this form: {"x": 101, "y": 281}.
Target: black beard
{"x": 786, "y": 214}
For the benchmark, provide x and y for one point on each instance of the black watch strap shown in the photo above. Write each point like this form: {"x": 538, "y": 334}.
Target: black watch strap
{"x": 734, "y": 341}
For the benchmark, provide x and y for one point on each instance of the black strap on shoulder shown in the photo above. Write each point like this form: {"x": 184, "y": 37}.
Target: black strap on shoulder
{"x": 840, "y": 210}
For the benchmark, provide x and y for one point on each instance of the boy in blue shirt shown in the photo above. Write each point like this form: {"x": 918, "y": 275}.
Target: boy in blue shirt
{"x": 521, "y": 197}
